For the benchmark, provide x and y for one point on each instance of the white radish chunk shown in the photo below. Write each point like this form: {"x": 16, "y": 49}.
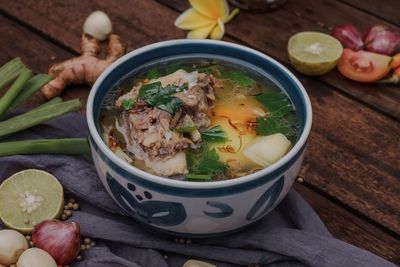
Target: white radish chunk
{"x": 266, "y": 150}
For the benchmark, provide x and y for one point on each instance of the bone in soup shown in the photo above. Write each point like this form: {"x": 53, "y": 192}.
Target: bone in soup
{"x": 198, "y": 121}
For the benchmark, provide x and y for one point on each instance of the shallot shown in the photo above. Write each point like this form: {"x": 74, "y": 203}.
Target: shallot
{"x": 60, "y": 239}
{"x": 349, "y": 36}
{"x": 382, "y": 40}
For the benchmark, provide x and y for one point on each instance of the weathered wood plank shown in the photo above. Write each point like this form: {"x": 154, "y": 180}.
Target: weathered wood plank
{"x": 349, "y": 156}
{"x": 269, "y": 32}
{"x": 355, "y": 230}
{"x": 143, "y": 20}
{"x": 333, "y": 158}
{"x": 385, "y": 9}
{"x": 38, "y": 53}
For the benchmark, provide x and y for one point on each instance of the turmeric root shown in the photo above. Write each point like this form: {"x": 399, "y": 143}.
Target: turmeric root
{"x": 84, "y": 69}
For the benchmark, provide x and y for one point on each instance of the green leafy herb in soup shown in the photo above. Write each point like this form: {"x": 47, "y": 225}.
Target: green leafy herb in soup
{"x": 199, "y": 122}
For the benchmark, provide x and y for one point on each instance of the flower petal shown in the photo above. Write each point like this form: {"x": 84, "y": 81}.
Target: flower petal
{"x": 191, "y": 19}
{"x": 211, "y": 8}
{"x": 218, "y": 31}
{"x": 201, "y": 33}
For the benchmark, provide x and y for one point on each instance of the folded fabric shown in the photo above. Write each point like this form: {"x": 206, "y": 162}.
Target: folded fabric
{"x": 291, "y": 235}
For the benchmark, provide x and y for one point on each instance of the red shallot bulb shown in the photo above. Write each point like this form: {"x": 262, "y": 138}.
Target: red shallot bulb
{"x": 381, "y": 40}
{"x": 349, "y": 36}
{"x": 60, "y": 239}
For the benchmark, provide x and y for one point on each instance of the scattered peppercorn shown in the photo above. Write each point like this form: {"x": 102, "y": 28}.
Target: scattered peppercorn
{"x": 87, "y": 241}
{"x": 299, "y": 179}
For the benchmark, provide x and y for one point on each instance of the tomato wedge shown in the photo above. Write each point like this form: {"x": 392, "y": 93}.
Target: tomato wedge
{"x": 363, "y": 66}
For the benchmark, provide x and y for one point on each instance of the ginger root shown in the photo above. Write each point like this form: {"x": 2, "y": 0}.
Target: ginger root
{"x": 84, "y": 69}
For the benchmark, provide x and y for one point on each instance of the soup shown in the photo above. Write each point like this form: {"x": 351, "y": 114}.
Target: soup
{"x": 198, "y": 121}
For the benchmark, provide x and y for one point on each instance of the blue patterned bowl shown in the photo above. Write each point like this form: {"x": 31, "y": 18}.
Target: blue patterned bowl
{"x": 197, "y": 209}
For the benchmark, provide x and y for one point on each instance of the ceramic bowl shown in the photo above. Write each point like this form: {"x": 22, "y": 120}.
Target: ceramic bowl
{"x": 197, "y": 209}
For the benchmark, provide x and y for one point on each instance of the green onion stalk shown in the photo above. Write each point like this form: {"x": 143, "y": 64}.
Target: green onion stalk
{"x": 29, "y": 89}
{"x": 16, "y": 87}
{"x": 10, "y": 71}
{"x": 70, "y": 146}
{"x": 38, "y": 115}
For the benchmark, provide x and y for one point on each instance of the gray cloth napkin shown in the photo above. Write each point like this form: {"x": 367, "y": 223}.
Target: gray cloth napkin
{"x": 291, "y": 235}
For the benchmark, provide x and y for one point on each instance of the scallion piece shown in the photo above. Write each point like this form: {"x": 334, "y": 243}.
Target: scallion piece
{"x": 7, "y": 99}
{"x": 30, "y": 88}
{"x": 37, "y": 116}
{"x": 68, "y": 146}
{"x": 53, "y": 101}
{"x": 198, "y": 177}
{"x": 10, "y": 71}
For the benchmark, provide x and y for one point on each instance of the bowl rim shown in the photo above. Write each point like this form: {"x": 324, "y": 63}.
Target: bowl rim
{"x": 95, "y": 135}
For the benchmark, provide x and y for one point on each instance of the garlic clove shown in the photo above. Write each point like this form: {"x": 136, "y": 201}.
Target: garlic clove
{"x": 197, "y": 263}
{"x": 36, "y": 257}
{"x": 266, "y": 150}
{"x": 12, "y": 245}
{"x": 98, "y": 25}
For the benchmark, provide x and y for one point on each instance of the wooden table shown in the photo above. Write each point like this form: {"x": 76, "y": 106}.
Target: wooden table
{"x": 352, "y": 166}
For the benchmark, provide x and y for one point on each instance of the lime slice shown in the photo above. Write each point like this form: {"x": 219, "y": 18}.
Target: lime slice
{"x": 30, "y": 197}
{"x": 314, "y": 53}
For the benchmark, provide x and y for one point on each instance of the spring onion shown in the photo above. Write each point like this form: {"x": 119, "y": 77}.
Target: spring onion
{"x": 10, "y": 71}
{"x": 68, "y": 146}
{"x": 29, "y": 89}
{"x": 37, "y": 116}
{"x": 194, "y": 177}
{"x": 53, "y": 101}
{"x": 14, "y": 90}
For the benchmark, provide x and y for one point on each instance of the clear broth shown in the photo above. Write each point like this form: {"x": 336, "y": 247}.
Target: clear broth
{"x": 236, "y": 109}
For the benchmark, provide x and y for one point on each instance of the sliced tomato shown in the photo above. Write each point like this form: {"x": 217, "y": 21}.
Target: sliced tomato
{"x": 363, "y": 66}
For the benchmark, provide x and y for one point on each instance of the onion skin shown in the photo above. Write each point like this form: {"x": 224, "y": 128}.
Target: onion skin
{"x": 349, "y": 36}
{"x": 381, "y": 40}
{"x": 60, "y": 239}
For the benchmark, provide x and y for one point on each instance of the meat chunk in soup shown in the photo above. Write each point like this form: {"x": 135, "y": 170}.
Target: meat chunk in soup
{"x": 148, "y": 131}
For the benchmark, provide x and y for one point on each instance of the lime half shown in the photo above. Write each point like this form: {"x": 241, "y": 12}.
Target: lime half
{"x": 314, "y": 53}
{"x": 30, "y": 197}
